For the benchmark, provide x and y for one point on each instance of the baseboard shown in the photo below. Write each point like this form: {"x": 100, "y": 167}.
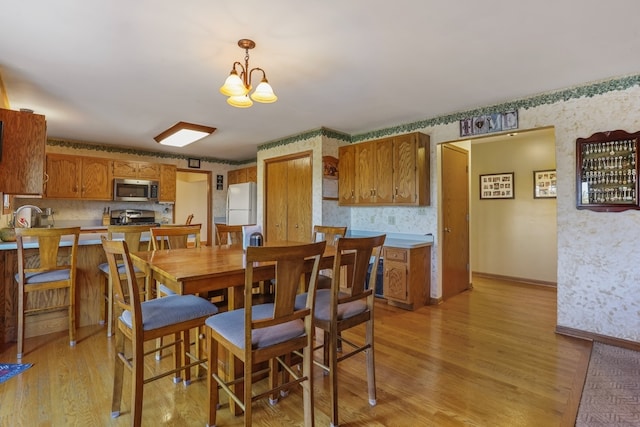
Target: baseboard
{"x": 514, "y": 279}
{"x": 591, "y": 336}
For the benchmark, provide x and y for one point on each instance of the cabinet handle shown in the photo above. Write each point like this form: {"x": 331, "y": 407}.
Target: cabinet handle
{"x": 296, "y": 225}
{"x": 46, "y": 178}
{"x": 447, "y": 230}
{"x": 352, "y": 195}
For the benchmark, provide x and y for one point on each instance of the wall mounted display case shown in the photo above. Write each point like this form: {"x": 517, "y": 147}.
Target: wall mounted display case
{"x": 607, "y": 171}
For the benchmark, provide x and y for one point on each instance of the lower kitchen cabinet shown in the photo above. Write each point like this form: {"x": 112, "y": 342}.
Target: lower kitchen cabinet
{"x": 407, "y": 276}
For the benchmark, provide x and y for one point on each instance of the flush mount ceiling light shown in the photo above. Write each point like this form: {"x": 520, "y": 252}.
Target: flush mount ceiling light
{"x": 237, "y": 87}
{"x": 183, "y": 133}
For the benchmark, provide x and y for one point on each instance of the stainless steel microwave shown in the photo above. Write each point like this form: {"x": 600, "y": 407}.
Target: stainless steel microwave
{"x": 135, "y": 190}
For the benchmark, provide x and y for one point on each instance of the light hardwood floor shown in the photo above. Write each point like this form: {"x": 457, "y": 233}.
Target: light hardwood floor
{"x": 487, "y": 357}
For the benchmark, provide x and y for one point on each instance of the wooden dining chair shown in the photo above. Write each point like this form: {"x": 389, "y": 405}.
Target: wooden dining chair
{"x": 331, "y": 234}
{"x": 139, "y": 322}
{"x": 228, "y": 234}
{"x": 132, "y": 234}
{"x": 268, "y": 332}
{"x": 346, "y": 305}
{"x": 189, "y": 219}
{"x": 45, "y": 270}
{"x": 175, "y": 236}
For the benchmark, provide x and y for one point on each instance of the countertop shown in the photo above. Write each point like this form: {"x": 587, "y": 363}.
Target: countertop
{"x": 91, "y": 236}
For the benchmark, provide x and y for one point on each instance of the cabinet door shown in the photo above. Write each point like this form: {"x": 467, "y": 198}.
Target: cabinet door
{"x": 395, "y": 280}
{"x": 299, "y": 199}
{"x": 148, "y": 170}
{"x": 346, "y": 175}
{"x": 383, "y": 174}
{"x": 167, "y": 183}
{"x": 276, "y": 198}
{"x": 365, "y": 172}
{"x": 404, "y": 169}
{"x": 96, "y": 181}
{"x": 63, "y": 174}
{"x": 125, "y": 169}
{"x": 252, "y": 174}
{"x": 22, "y": 157}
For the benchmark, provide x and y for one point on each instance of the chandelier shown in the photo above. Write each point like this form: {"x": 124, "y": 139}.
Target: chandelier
{"x": 237, "y": 87}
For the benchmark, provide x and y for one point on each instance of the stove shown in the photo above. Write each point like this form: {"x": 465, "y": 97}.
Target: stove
{"x": 133, "y": 217}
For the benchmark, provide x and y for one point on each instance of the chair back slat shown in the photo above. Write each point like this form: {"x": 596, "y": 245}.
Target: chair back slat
{"x": 175, "y": 236}
{"x": 228, "y": 234}
{"x": 329, "y": 233}
{"x": 132, "y": 234}
{"x": 292, "y": 267}
{"x": 362, "y": 249}
{"x": 124, "y": 285}
{"x": 49, "y": 257}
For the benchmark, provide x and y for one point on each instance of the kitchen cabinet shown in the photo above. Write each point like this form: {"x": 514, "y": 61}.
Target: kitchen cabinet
{"x": 288, "y": 198}
{"x": 347, "y": 175}
{"x": 167, "y": 183}
{"x": 239, "y": 176}
{"x": 73, "y": 177}
{"x": 22, "y": 152}
{"x": 374, "y": 176}
{"x": 388, "y": 171}
{"x": 135, "y": 169}
{"x": 407, "y": 276}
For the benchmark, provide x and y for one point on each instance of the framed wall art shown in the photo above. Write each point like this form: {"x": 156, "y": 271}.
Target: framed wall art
{"x": 497, "y": 186}
{"x": 544, "y": 184}
{"x": 194, "y": 163}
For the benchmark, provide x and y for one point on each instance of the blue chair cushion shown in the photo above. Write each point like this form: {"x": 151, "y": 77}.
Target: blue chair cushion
{"x": 161, "y": 312}
{"x": 45, "y": 276}
{"x": 323, "y": 302}
{"x": 104, "y": 267}
{"x": 231, "y": 326}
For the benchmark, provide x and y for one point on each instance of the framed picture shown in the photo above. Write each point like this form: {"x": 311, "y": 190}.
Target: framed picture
{"x": 544, "y": 184}
{"x": 497, "y": 186}
{"x": 194, "y": 163}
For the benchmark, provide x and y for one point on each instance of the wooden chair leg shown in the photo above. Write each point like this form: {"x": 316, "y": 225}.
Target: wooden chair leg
{"x": 185, "y": 350}
{"x": 333, "y": 377}
{"x": 21, "y": 304}
{"x": 307, "y": 385}
{"x": 212, "y": 384}
{"x": 177, "y": 355}
{"x": 72, "y": 316}
{"x": 248, "y": 384}
{"x": 137, "y": 383}
{"x": 371, "y": 371}
{"x": 103, "y": 295}
{"x": 274, "y": 374}
{"x": 109, "y": 294}
{"x": 118, "y": 373}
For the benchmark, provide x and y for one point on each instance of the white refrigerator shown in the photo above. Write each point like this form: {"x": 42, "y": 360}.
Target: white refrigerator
{"x": 241, "y": 203}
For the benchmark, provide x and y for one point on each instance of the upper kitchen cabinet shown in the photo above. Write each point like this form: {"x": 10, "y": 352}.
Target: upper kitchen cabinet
{"x": 347, "y": 175}
{"x": 22, "y": 152}
{"x": 239, "y": 176}
{"x": 135, "y": 169}
{"x": 167, "y": 183}
{"x": 389, "y": 171}
{"x": 73, "y": 177}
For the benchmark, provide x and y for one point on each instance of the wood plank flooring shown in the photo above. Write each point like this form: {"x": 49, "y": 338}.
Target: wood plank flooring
{"x": 487, "y": 357}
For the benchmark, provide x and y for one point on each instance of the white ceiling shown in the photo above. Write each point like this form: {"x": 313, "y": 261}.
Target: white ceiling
{"x": 121, "y": 71}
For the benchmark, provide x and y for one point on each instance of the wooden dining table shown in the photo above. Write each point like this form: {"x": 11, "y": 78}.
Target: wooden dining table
{"x": 209, "y": 268}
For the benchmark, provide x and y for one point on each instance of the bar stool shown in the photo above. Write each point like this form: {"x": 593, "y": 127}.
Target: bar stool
{"x": 50, "y": 270}
{"x": 132, "y": 234}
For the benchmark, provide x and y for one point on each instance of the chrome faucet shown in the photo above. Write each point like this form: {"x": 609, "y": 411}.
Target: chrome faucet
{"x": 15, "y": 215}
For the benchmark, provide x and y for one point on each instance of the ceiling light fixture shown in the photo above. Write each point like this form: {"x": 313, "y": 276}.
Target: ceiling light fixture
{"x": 237, "y": 87}
{"x": 183, "y": 133}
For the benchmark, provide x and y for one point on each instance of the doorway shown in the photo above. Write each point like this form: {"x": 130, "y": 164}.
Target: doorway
{"x": 193, "y": 196}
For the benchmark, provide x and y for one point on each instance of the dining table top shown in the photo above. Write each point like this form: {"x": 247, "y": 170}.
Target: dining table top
{"x": 209, "y": 268}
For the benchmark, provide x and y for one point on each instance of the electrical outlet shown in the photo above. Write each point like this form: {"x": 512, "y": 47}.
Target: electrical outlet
{"x": 392, "y": 220}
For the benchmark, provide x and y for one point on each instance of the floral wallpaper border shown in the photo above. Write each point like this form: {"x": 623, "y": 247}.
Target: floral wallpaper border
{"x": 587, "y": 90}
